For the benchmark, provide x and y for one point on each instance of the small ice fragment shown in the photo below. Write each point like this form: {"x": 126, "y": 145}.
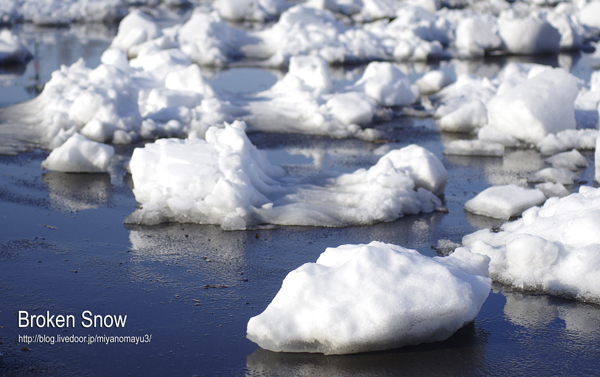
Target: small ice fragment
{"x": 474, "y": 148}
{"x": 504, "y": 202}
{"x": 79, "y": 155}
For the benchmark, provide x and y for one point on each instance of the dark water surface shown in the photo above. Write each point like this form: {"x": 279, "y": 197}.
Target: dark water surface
{"x": 64, "y": 250}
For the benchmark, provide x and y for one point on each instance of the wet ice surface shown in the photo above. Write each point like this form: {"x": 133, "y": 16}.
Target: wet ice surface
{"x": 64, "y": 248}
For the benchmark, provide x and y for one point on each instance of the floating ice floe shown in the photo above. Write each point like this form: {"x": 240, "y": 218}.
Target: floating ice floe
{"x": 552, "y": 249}
{"x": 504, "y": 202}
{"x": 584, "y": 139}
{"x": 568, "y": 160}
{"x": 226, "y": 180}
{"x": 554, "y": 175}
{"x": 79, "y": 155}
{"x": 474, "y": 148}
{"x": 533, "y": 108}
{"x": 551, "y": 189}
{"x": 525, "y": 103}
{"x": 359, "y": 298}
{"x": 12, "y": 51}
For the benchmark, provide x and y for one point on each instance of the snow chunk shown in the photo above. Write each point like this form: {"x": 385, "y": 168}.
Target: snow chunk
{"x": 568, "y": 160}
{"x": 474, "y": 148}
{"x": 225, "y": 180}
{"x": 476, "y": 36}
{"x": 79, "y": 155}
{"x": 466, "y": 118}
{"x": 553, "y": 249}
{"x": 136, "y": 28}
{"x": 529, "y": 35}
{"x": 568, "y": 139}
{"x": 492, "y": 135}
{"x": 378, "y": 296}
{"x": 552, "y": 189}
{"x": 387, "y": 85}
{"x": 433, "y": 81}
{"x": 556, "y": 175}
{"x": 541, "y": 105}
{"x": 504, "y": 202}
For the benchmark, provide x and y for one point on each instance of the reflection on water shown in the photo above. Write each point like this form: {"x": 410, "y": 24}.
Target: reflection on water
{"x": 207, "y": 251}
{"x": 76, "y": 192}
{"x": 461, "y": 355}
{"x": 532, "y": 312}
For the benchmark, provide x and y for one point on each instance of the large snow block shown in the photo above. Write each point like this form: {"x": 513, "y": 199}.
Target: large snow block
{"x": 359, "y": 298}
{"x": 541, "y": 105}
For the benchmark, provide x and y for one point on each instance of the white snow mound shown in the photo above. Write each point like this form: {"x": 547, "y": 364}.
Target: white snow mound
{"x": 553, "y": 249}
{"x": 79, "y": 155}
{"x": 359, "y": 298}
{"x": 226, "y": 180}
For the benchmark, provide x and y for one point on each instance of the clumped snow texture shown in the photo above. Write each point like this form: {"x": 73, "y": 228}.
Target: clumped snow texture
{"x": 303, "y": 100}
{"x": 540, "y": 105}
{"x": 79, "y": 155}
{"x": 584, "y": 139}
{"x": 360, "y": 298}
{"x": 161, "y": 93}
{"x": 554, "y": 175}
{"x": 527, "y": 103}
{"x": 552, "y": 249}
{"x": 226, "y": 180}
{"x": 504, "y": 202}
{"x": 405, "y": 31}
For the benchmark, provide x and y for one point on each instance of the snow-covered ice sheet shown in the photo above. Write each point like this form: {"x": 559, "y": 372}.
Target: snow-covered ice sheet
{"x": 552, "y": 249}
{"x": 226, "y": 180}
{"x": 504, "y": 202}
{"x": 359, "y": 298}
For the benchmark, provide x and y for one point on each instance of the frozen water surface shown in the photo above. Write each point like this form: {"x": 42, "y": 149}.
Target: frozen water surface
{"x": 64, "y": 247}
